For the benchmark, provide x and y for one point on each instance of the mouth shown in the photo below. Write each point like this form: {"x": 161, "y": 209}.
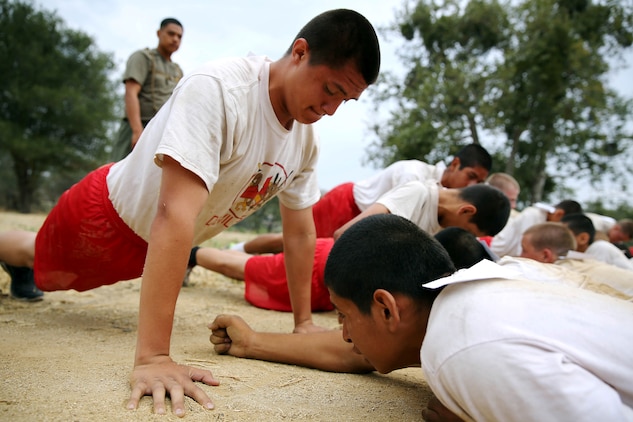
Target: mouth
{"x": 316, "y": 113}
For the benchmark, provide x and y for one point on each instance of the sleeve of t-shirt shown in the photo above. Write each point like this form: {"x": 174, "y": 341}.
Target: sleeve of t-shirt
{"x": 197, "y": 134}
{"x": 406, "y": 200}
{"x": 518, "y": 381}
{"x": 137, "y": 67}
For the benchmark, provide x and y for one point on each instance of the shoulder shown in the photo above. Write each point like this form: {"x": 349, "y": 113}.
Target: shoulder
{"x": 237, "y": 67}
{"x": 531, "y": 215}
{"x": 236, "y": 75}
{"x": 603, "y": 245}
{"x": 139, "y": 58}
{"x": 143, "y": 53}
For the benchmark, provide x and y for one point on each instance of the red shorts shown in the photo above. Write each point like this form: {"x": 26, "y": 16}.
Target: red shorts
{"x": 266, "y": 285}
{"x": 334, "y": 209}
{"x": 83, "y": 243}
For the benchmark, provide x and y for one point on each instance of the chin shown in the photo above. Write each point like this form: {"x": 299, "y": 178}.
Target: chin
{"x": 308, "y": 121}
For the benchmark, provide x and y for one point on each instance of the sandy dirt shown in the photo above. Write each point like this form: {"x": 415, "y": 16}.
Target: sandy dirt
{"x": 68, "y": 358}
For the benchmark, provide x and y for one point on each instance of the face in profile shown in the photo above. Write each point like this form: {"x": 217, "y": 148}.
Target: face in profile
{"x": 455, "y": 177}
{"x": 315, "y": 91}
{"x": 366, "y": 335}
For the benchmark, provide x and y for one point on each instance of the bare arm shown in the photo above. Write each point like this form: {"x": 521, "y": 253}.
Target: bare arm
{"x": 372, "y": 210}
{"x": 133, "y": 109}
{"x": 299, "y": 237}
{"x": 182, "y": 195}
{"x": 325, "y": 350}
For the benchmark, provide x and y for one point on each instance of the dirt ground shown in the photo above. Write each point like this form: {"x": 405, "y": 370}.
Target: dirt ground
{"x": 68, "y": 358}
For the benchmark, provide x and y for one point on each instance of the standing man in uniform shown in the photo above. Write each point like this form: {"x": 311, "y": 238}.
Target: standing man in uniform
{"x": 150, "y": 77}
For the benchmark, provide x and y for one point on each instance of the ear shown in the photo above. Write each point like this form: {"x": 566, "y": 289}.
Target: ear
{"x": 454, "y": 165}
{"x": 556, "y": 216}
{"x": 299, "y": 50}
{"x": 467, "y": 209}
{"x": 583, "y": 241}
{"x": 385, "y": 308}
{"x": 549, "y": 256}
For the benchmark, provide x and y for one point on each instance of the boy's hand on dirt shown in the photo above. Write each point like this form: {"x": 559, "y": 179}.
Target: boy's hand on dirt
{"x": 230, "y": 334}
{"x": 163, "y": 377}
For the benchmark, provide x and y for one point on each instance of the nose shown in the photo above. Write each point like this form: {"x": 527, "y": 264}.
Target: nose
{"x": 346, "y": 336}
{"x": 330, "y": 107}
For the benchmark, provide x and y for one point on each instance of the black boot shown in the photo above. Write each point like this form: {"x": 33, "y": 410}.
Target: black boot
{"x": 22, "y": 283}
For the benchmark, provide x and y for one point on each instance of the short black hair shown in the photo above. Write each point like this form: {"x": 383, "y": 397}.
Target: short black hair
{"x": 569, "y": 206}
{"x": 339, "y": 36}
{"x": 474, "y": 155}
{"x": 493, "y": 207}
{"x": 579, "y": 223}
{"x": 167, "y": 21}
{"x": 385, "y": 251}
{"x": 463, "y": 247}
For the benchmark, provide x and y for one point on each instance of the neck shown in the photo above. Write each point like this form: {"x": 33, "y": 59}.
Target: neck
{"x": 276, "y": 94}
{"x": 445, "y": 198}
{"x": 166, "y": 55}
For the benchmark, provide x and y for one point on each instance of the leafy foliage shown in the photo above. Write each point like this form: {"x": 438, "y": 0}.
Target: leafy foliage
{"x": 525, "y": 79}
{"x": 56, "y": 100}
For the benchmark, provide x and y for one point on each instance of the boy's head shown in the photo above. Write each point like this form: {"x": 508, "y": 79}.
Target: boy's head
{"x": 583, "y": 229}
{"x": 333, "y": 59}
{"x": 622, "y": 231}
{"x": 470, "y": 165}
{"x": 506, "y": 184}
{"x": 464, "y": 249}
{"x": 563, "y": 208}
{"x": 547, "y": 242}
{"x": 482, "y": 210}
{"x": 169, "y": 35}
{"x": 375, "y": 272}
{"x": 338, "y": 37}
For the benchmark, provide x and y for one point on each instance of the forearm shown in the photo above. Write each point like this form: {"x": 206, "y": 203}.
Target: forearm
{"x": 321, "y": 350}
{"x": 299, "y": 259}
{"x": 162, "y": 278}
{"x": 132, "y": 109}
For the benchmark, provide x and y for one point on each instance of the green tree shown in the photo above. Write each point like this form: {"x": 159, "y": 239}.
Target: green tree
{"x": 525, "y": 79}
{"x": 56, "y": 100}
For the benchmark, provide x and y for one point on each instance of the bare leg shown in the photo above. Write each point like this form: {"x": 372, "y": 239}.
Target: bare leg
{"x": 226, "y": 262}
{"x": 17, "y": 248}
{"x": 17, "y": 252}
{"x": 265, "y": 243}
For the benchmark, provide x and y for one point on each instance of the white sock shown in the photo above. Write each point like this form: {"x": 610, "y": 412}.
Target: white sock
{"x": 237, "y": 247}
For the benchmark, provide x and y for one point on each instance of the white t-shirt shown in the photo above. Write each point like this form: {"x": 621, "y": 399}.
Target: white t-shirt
{"x": 366, "y": 192}
{"x": 219, "y": 124}
{"x": 606, "y": 251}
{"x": 601, "y": 223}
{"x": 582, "y": 273}
{"x": 415, "y": 201}
{"x": 616, "y": 277}
{"x": 508, "y": 240}
{"x": 516, "y": 350}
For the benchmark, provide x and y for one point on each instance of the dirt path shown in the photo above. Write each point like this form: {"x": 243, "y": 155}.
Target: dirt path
{"x": 68, "y": 358}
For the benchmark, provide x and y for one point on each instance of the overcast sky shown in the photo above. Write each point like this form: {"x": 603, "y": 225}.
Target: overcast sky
{"x": 214, "y": 29}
